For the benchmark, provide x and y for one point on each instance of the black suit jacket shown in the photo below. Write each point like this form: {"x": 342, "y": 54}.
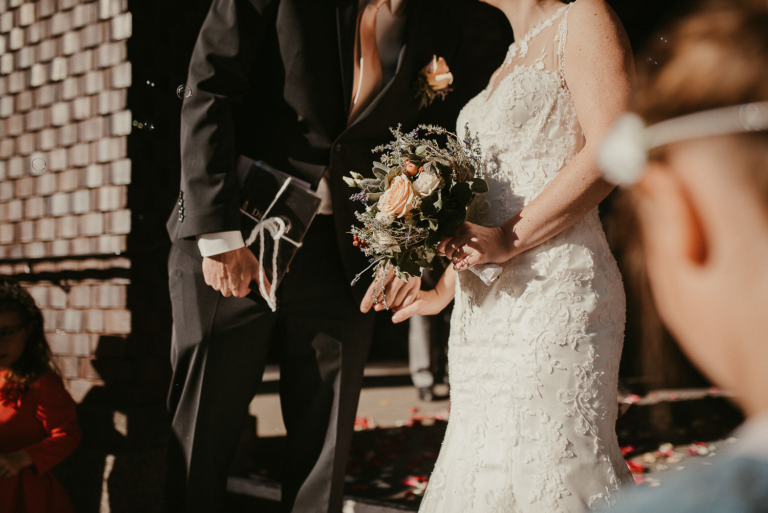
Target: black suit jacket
{"x": 272, "y": 79}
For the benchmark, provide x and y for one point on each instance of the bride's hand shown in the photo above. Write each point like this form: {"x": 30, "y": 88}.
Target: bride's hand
{"x": 477, "y": 245}
{"x": 428, "y": 302}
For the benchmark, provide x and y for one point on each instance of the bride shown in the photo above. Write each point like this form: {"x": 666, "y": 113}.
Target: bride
{"x": 534, "y": 357}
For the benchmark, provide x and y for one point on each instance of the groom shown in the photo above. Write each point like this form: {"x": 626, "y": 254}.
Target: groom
{"x": 309, "y": 87}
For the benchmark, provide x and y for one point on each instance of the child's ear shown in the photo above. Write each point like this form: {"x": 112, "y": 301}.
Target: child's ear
{"x": 672, "y": 224}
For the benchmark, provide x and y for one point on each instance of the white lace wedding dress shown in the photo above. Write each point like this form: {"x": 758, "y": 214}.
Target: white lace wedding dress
{"x": 534, "y": 357}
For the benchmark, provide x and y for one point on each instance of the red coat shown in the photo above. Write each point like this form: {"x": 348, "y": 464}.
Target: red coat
{"x": 43, "y": 422}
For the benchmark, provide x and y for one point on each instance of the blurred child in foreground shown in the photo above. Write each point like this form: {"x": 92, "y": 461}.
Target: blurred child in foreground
{"x": 699, "y": 191}
{"x": 38, "y": 423}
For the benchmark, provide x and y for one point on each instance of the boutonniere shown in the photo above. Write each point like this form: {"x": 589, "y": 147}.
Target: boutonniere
{"x": 434, "y": 82}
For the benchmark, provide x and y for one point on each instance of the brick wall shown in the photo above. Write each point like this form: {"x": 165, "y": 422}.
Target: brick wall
{"x": 65, "y": 171}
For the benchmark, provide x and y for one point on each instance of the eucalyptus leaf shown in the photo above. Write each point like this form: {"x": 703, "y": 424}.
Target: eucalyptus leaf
{"x": 421, "y": 150}
{"x": 349, "y": 181}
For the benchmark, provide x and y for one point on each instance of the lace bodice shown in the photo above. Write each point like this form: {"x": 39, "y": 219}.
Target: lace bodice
{"x": 526, "y": 122}
{"x": 533, "y": 358}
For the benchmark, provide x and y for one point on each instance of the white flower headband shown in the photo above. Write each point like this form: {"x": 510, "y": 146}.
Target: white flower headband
{"x": 624, "y": 152}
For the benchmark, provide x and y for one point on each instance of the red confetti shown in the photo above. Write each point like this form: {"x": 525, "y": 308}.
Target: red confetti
{"x": 628, "y": 449}
{"x": 635, "y": 467}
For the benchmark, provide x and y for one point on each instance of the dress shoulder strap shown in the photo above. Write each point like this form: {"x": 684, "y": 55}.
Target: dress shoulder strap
{"x": 561, "y": 39}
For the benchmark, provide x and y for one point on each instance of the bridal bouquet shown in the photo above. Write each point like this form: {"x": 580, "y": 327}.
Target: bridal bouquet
{"x": 418, "y": 196}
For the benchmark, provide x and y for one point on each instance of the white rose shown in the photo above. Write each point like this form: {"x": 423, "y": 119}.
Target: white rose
{"x": 387, "y": 240}
{"x": 426, "y": 184}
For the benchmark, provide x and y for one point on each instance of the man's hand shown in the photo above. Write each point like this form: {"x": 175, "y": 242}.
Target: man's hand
{"x": 13, "y": 463}
{"x": 231, "y": 273}
{"x": 396, "y": 292}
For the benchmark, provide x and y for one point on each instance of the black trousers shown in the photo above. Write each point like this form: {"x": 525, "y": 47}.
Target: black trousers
{"x": 218, "y": 355}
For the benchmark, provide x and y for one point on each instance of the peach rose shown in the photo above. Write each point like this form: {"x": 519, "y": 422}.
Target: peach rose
{"x": 396, "y": 201}
{"x": 438, "y": 75}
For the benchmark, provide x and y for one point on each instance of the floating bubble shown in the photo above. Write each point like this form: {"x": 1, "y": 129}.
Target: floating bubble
{"x": 39, "y": 164}
{"x": 135, "y": 123}
{"x": 141, "y": 125}
{"x": 184, "y": 91}
{"x": 151, "y": 126}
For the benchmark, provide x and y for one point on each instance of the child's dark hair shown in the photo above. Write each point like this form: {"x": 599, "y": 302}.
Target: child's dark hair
{"x": 36, "y": 357}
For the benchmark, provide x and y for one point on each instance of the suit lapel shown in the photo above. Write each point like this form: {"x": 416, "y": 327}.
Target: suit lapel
{"x": 346, "y": 19}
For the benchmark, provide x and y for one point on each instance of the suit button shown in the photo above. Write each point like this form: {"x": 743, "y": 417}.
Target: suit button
{"x": 337, "y": 148}
{"x": 181, "y": 218}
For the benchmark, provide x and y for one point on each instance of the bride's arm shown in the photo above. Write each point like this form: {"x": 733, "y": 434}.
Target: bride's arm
{"x": 430, "y": 302}
{"x": 599, "y": 72}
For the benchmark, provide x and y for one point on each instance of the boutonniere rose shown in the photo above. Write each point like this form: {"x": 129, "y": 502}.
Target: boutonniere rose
{"x": 434, "y": 81}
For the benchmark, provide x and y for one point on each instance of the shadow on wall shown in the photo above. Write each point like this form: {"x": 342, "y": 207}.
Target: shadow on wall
{"x": 120, "y": 464}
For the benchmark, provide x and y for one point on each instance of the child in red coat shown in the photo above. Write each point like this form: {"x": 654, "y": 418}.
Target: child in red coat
{"x": 38, "y": 423}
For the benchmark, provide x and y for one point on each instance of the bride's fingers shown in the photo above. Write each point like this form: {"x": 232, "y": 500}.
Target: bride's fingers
{"x": 405, "y": 313}
{"x": 410, "y": 297}
{"x": 441, "y": 247}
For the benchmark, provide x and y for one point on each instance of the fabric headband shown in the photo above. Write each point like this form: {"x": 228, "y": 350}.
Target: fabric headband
{"x": 624, "y": 152}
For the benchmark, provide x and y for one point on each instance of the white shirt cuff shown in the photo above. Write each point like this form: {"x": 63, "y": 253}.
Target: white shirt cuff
{"x": 212, "y": 244}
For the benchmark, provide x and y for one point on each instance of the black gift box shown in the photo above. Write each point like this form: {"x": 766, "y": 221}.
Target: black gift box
{"x": 264, "y": 197}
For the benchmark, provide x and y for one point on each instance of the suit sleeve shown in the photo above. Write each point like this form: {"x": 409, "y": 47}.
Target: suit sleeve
{"x": 218, "y": 76}
{"x": 56, "y": 412}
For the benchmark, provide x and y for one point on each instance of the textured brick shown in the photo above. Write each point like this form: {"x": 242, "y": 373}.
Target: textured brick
{"x": 91, "y": 129}
{"x": 81, "y": 246}
{"x": 16, "y": 38}
{"x": 61, "y": 23}
{"x": 111, "y": 198}
{"x": 59, "y": 344}
{"x": 60, "y": 114}
{"x": 47, "y": 50}
{"x": 34, "y": 250}
{"x": 25, "y": 231}
{"x": 7, "y": 233}
{"x": 118, "y": 222}
{"x": 92, "y": 36}
{"x": 87, "y": 370}
{"x": 26, "y": 14}
{"x": 7, "y": 106}
{"x": 81, "y": 201}
{"x": 67, "y": 4}
{"x": 117, "y": 322}
{"x": 34, "y": 208}
{"x": 7, "y": 64}
{"x": 72, "y": 321}
{"x": 40, "y": 294}
{"x": 57, "y": 298}
{"x": 84, "y": 14}
{"x": 6, "y": 22}
{"x": 7, "y": 147}
{"x": 2, "y": 214}
{"x": 59, "y": 69}
{"x": 110, "y": 149}
{"x": 45, "y": 8}
{"x": 25, "y": 57}
{"x": 57, "y": 159}
{"x": 121, "y": 75}
{"x": 37, "y": 32}
{"x": 25, "y": 144}
{"x": 69, "y": 366}
{"x": 24, "y": 101}
{"x": 79, "y": 155}
{"x": 93, "y": 176}
{"x": 59, "y": 204}
{"x": 70, "y": 43}
{"x": 6, "y": 191}
{"x": 38, "y": 119}
{"x": 14, "y": 210}
{"x": 71, "y": 88}
{"x": 111, "y": 244}
{"x": 45, "y": 184}
{"x": 121, "y": 123}
{"x": 3, "y": 170}
{"x": 66, "y": 227}
{"x": 46, "y": 139}
{"x": 45, "y": 96}
{"x": 15, "y": 124}
{"x": 92, "y": 224}
{"x": 94, "y": 321}
{"x": 68, "y": 135}
{"x": 108, "y": 9}
{"x": 94, "y": 82}
{"x": 15, "y": 167}
{"x": 60, "y": 247}
{"x": 80, "y": 297}
{"x": 81, "y": 108}
{"x": 109, "y": 54}
{"x": 81, "y": 62}
{"x": 25, "y": 187}
{"x": 45, "y": 229}
{"x": 109, "y": 101}
{"x": 110, "y": 296}
{"x": 17, "y": 81}
{"x": 122, "y": 27}
{"x": 68, "y": 180}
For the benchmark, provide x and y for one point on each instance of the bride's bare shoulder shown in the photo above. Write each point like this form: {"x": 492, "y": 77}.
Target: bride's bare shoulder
{"x": 594, "y": 21}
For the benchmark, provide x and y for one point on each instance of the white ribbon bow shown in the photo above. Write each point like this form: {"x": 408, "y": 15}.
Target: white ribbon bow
{"x": 276, "y": 228}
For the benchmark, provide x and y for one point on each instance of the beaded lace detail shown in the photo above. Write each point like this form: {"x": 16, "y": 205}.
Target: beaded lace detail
{"x": 534, "y": 357}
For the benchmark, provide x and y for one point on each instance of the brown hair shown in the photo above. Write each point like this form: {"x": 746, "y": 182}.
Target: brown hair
{"x": 715, "y": 57}
{"x": 36, "y": 357}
